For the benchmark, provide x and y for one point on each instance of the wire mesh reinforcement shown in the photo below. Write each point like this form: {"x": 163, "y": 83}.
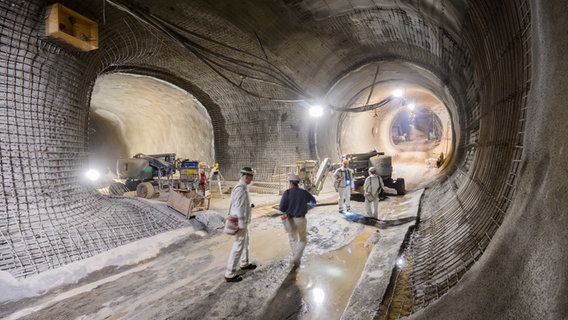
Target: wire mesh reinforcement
{"x": 453, "y": 238}
{"x": 48, "y": 217}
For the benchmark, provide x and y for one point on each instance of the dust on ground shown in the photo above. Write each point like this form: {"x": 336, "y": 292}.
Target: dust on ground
{"x": 185, "y": 281}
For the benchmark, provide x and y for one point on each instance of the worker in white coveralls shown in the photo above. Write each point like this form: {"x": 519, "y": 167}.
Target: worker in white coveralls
{"x": 372, "y": 188}
{"x": 216, "y": 176}
{"x": 294, "y": 203}
{"x": 344, "y": 185}
{"x": 240, "y": 208}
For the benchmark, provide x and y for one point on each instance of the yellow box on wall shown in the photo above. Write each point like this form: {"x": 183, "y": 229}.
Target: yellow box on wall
{"x": 72, "y": 28}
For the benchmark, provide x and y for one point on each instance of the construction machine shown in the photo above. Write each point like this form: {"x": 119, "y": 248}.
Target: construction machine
{"x": 360, "y": 163}
{"x": 151, "y": 173}
{"x": 311, "y": 175}
{"x": 144, "y": 173}
{"x": 185, "y": 180}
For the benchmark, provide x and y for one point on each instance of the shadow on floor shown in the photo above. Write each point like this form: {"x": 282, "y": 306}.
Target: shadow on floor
{"x": 287, "y": 302}
{"x": 370, "y": 221}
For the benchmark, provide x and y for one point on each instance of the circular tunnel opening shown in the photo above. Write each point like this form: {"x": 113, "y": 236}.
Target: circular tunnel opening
{"x": 398, "y": 109}
{"x": 415, "y": 130}
{"x": 131, "y": 114}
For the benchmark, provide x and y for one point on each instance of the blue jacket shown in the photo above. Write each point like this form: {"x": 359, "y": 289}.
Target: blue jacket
{"x": 295, "y": 201}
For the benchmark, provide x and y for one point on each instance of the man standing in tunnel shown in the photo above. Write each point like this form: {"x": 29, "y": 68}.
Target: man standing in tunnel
{"x": 216, "y": 176}
{"x": 344, "y": 184}
{"x": 240, "y": 208}
{"x": 294, "y": 203}
{"x": 372, "y": 189}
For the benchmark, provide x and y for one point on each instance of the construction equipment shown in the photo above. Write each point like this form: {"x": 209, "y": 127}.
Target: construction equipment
{"x": 190, "y": 192}
{"x": 360, "y": 163}
{"x": 311, "y": 175}
{"x": 148, "y": 174}
{"x": 185, "y": 180}
{"x": 145, "y": 173}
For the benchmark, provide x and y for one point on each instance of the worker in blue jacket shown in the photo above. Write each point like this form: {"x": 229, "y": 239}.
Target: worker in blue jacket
{"x": 294, "y": 203}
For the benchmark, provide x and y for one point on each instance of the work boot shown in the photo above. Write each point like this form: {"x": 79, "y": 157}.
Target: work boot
{"x": 250, "y": 266}
{"x": 236, "y": 278}
{"x": 341, "y": 211}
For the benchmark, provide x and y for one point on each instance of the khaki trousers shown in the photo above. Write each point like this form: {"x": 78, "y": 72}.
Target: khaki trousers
{"x": 297, "y": 236}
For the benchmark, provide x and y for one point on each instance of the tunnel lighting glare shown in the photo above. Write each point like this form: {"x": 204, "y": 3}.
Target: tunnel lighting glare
{"x": 92, "y": 175}
{"x": 411, "y": 106}
{"x": 318, "y": 295}
{"x": 316, "y": 111}
{"x": 400, "y": 262}
{"x": 397, "y": 93}
{"x": 333, "y": 271}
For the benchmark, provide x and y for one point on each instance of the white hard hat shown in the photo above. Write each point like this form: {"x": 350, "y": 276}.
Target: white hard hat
{"x": 293, "y": 177}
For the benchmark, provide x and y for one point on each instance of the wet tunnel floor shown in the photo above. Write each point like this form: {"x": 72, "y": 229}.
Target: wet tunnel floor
{"x": 346, "y": 268}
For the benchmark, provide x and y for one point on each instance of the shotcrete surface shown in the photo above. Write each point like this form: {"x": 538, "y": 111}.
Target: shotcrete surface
{"x": 345, "y": 269}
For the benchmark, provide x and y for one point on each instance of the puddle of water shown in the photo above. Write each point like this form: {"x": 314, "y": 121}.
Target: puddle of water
{"x": 269, "y": 245}
{"x": 326, "y": 281}
{"x": 265, "y": 246}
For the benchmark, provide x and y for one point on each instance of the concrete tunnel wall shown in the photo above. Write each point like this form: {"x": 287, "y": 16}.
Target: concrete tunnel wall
{"x": 133, "y": 114}
{"x": 506, "y": 77}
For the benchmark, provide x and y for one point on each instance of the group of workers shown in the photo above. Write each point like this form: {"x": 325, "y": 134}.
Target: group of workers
{"x": 372, "y": 187}
{"x": 294, "y": 205}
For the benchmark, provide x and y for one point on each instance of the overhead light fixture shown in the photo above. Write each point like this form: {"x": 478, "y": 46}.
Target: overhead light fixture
{"x": 316, "y": 111}
{"x": 397, "y": 93}
{"x": 92, "y": 175}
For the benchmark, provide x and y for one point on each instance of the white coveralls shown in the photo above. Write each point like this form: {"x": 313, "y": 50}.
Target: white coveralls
{"x": 344, "y": 177}
{"x": 371, "y": 190}
{"x": 240, "y": 209}
{"x": 216, "y": 176}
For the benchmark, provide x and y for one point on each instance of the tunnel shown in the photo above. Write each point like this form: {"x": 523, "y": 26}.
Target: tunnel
{"x": 483, "y": 83}
{"x": 124, "y": 122}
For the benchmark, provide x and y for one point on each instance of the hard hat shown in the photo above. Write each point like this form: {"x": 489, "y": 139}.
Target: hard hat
{"x": 372, "y": 170}
{"x": 247, "y": 171}
{"x": 293, "y": 177}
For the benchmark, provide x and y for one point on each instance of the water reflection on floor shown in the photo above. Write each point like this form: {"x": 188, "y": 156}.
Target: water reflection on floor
{"x": 326, "y": 281}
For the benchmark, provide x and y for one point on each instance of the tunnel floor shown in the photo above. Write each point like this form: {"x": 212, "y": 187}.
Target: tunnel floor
{"x": 346, "y": 266}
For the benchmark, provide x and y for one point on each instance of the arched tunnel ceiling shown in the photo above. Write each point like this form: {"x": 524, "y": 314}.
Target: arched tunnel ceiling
{"x": 134, "y": 114}
{"x": 317, "y": 42}
{"x": 474, "y": 57}
{"x": 328, "y": 50}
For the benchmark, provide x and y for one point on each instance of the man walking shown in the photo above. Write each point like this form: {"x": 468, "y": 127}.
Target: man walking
{"x": 372, "y": 188}
{"x": 344, "y": 184}
{"x": 294, "y": 203}
{"x": 240, "y": 208}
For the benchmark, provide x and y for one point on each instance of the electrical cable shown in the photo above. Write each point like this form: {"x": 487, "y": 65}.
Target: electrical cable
{"x": 266, "y": 72}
